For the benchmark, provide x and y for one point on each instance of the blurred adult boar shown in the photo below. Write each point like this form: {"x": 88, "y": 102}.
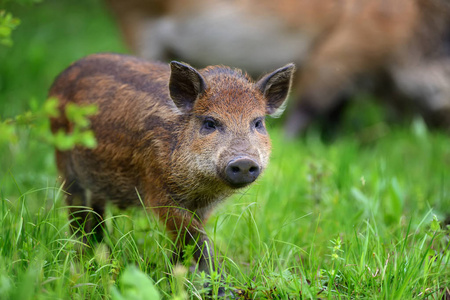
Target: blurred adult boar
{"x": 181, "y": 138}
{"x": 405, "y": 43}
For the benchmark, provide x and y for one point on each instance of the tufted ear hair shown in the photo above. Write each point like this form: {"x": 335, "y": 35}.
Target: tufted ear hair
{"x": 186, "y": 85}
{"x": 275, "y": 87}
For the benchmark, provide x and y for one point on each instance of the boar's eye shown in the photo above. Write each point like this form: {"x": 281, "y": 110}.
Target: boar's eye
{"x": 258, "y": 124}
{"x": 209, "y": 125}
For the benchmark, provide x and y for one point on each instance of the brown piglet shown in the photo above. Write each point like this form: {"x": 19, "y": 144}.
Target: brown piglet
{"x": 180, "y": 139}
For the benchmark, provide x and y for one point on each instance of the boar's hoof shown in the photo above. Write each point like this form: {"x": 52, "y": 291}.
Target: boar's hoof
{"x": 241, "y": 172}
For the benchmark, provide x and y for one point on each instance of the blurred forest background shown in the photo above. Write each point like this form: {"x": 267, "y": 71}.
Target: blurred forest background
{"x": 381, "y": 187}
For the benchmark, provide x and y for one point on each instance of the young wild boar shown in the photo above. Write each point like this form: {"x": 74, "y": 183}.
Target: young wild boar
{"x": 180, "y": 138}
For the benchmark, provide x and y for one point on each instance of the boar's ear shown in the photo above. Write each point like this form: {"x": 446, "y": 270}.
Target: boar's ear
{"x": 275, "y": 88}
{"x": 185, "y": 85}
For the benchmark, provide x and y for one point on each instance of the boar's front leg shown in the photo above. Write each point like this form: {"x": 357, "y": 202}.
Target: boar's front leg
{"x": 188, "y": 230}
{"x": 85, "y": 209}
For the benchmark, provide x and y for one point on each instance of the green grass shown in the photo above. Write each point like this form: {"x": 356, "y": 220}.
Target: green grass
{"x": 349, "y": 219}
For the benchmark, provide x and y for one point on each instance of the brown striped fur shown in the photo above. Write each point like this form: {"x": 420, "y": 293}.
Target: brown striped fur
{"x": 153, "y": 141}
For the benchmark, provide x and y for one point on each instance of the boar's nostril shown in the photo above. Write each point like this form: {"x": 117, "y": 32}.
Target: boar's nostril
{"x": 254, "y": 169}
{"x": 242, "y": 171}
{"x": 235, "y": 169}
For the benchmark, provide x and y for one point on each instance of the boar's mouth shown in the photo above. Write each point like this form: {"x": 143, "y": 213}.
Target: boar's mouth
{"x": 240, "y": 172}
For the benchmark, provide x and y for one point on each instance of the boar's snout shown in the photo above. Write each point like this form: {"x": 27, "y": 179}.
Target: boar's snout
{"x": 242, "y": 171}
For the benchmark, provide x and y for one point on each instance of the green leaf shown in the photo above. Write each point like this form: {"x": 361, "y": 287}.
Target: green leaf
{"x": 134, "y": 285}
{"x": 62, "y": 141}
{"x": 79, "y": 114}
{"x": 51, "y": 107}
{"x": 5, "y": 31}
{"x": 87, "y": 139}
{"x": 435, "y": 224}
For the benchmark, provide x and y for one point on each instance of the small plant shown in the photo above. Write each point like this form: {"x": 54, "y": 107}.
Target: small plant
{"x": 7, "y": 24}
{"x": 329, "y": 277}
{"x": 36, "y": 120}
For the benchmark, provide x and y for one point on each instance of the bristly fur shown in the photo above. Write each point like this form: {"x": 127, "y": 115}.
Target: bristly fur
{"x": 152, "y": 138}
